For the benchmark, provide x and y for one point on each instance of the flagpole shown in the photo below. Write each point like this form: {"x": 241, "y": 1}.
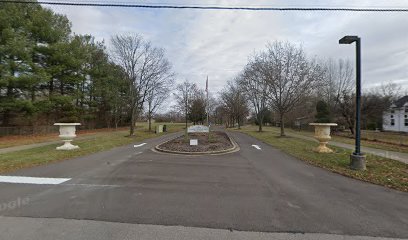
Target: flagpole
{"x": 206, "y": 88}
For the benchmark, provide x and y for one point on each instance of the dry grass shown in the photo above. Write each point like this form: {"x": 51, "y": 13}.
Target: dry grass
{"x": 388, "y": 141}
{"x": 17, "y": 140}
{"x": 102, "y": 141}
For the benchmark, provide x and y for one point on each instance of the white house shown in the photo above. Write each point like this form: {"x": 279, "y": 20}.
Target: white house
{"x": 396, "y": 118}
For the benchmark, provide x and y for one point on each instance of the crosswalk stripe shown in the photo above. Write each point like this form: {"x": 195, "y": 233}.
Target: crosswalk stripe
{"x": 32, "y": 180}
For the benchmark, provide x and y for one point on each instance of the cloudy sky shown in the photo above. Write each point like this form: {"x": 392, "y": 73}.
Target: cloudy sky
{"x": 218, "y": 43}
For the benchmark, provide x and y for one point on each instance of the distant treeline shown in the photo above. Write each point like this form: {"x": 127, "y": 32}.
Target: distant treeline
{"x": 283, "y": 86}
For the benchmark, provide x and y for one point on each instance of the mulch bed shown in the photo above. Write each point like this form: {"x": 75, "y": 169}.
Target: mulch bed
{"x": 218, "y": 141}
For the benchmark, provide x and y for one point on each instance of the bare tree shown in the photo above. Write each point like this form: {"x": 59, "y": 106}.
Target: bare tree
{"x": 127, "y": 52}
{"x": 234, "y": 102}
{"x": 338, "y": 90}
{"x": 376, "y": 101}
{"x": 390, "y": 90}
{"x": 144, "y": 65}
{"x": 338, "y": 80}
{"x": 288, "y": 76}
{"x": 339, "y": 93}
{"x": 253, "y": 85}
{"x": 156, "y": 97}
{"x": 184, "y": 95}
{"x": 212, "y": 105}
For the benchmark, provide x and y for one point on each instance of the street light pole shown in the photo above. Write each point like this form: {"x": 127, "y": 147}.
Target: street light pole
{"x": 358, "y": 97}
{"x": 357, "y": 158}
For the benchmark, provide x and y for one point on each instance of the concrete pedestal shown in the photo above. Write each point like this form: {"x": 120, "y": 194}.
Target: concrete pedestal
{"x": 67, "y": 145}
{"x": 322, "y": 134}
{"x": 357, "y": 162}
{"x": 67, "y": 134}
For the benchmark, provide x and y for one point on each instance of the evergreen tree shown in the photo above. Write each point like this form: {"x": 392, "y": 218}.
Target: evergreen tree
{"x": 323, "y": 114}
{"x": 48, "y": 74}
{"x": 197, "y": 111}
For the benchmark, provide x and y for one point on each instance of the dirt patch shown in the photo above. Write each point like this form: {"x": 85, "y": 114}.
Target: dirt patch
{"x": 217, "y": 141}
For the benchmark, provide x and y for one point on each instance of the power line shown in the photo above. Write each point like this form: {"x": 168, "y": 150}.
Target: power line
{"x": 95, "y": 4}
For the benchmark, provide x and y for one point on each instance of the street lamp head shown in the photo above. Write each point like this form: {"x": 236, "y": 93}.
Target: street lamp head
{"x": 348, "y": 39}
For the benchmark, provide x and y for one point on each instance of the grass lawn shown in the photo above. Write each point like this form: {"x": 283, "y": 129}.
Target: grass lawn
{"x": 17, "y": 140}
{"x": 100, "y": 142}
{"x": 380, "y": 170}
{"x": 381, "y": 140}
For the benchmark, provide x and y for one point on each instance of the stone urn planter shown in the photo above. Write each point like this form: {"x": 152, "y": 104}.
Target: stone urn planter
{"x": 67, "y": 134}
{"x": 322, "y": 134}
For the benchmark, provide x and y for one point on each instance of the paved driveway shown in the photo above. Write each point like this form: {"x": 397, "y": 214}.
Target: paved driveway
{"x": 255, "y": 189}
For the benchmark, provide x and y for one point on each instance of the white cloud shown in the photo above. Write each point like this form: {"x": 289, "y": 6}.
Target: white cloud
{"x": 218, "y": 43}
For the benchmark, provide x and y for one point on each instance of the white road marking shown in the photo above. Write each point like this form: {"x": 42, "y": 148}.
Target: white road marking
{"x": 256, "y": 146}
{"x": 91, "y": 185}
{"x": 293, "y": 205}
{"x": 139, "y": 145}
{"x": 32, "y": 180}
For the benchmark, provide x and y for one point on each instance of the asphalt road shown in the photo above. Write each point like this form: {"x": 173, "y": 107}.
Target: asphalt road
{"x": 261, "y": 190}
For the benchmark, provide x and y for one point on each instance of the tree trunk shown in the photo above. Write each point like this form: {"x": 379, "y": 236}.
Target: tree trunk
{"x": 107, "y": 121}
{"x": 132, "y": 123}
{"x": 6, "y": 117}
{"x": 51, "y": 87}
{"x": 61, "y": 88}
{"x": 352, "y": 130}
{"x": 6, "y": 114}
{"x": 132, "y": 128}
{"x": 32, "y": 94}
{"x": 282, "y": 126}
{"x": 351, "y": 125}
{"x": 260, "y": 122}
{"x": 149, "y": 115}
{"x": 117, "y": 117}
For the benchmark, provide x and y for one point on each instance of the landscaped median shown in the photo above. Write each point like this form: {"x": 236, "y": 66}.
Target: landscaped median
{"x": 101, "y": 142}
{"x": 380, "y": 170}
{"x": 207, "y": 143}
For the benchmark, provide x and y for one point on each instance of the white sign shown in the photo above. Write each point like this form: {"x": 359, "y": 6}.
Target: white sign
{"x": 193, "y": 142}
{"x": 198, "y": 128}
{"x": 159, "y": 129}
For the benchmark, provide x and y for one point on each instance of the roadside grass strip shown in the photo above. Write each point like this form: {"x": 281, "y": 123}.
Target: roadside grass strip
{"x": 48, "y": 154}
{"x": 380, "y": 170}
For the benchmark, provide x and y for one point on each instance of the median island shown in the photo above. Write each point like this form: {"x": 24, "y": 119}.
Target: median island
{"x": 199, "y": 140}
